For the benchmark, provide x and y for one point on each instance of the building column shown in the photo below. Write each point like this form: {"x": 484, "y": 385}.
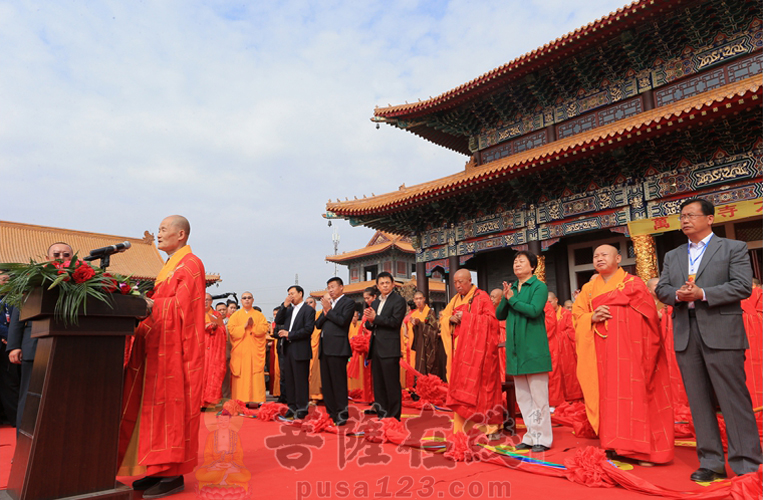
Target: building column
{"x": 452, "y": 268}
{"x": 562, "y": 272}
{"x": 540, "y": 270}
{"x": 422, "y": 281}
{"x": 646, "y": 256}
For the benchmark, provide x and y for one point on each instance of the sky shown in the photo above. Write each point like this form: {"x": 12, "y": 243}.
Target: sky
{"x": 245, "y": 117}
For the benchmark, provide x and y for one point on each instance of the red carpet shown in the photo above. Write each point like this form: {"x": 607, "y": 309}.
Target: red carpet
{"x": 356, "y": 468}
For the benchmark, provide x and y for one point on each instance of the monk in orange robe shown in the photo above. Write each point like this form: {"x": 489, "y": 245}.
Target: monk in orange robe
{"x": 622, "y": 366}
{"x": 248, "y": 330}
{"x": 555, "y": 383}
{"x": 665, "y": 312}
{"x": 752, "y": 312}
{"x": 214, "y": 355}
{"x": 568, "y": 359}
{"x": 474, "y": 392}
{"x": 315, "y": 366}
{"x": 159, "y": 433}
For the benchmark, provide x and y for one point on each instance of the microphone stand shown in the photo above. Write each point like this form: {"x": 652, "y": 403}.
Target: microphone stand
{"x": 105, "y": 260}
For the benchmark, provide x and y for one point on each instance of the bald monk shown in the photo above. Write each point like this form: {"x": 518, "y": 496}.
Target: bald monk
{"x": 248, "y": 330}
{"x": 159, "y": 434}
{"x": 214, "y": 354}
{"x": 677, "y": 389}
{"x": 315, "y": 365}
{"x": 425, "y": 334}
{"x": 568, "y": 360}
{"x": 474, "y": 392}
{"x": 622, "y": 366}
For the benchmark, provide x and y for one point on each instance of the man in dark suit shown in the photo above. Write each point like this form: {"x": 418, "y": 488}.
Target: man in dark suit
{"x": 704, "y": 281}
{"x": 334, "y": 321}
{"x": 279, "y": 354}
{"x": 386, "y": 315}
{"x": 9, "y": 372}
{"x": 21, "y": 346}
{"x": 297, "y": 321}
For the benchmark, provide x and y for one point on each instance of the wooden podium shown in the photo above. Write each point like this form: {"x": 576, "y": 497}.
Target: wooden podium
{"x": 68, "y": 435}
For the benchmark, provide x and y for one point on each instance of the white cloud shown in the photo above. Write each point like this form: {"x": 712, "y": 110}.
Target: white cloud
{"x": 245, "y": 118}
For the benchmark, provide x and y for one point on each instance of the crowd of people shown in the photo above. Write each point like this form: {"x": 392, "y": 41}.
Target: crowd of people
{"x": 626, "y": 350}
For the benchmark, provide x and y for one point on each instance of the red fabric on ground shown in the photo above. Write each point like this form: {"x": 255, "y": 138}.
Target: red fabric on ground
{"x": 408, "y": 466}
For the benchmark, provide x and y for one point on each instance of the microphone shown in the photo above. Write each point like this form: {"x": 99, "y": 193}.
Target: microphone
{"x": 99, "y": 253}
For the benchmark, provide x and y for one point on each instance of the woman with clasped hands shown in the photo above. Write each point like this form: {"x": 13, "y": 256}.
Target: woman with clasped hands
{"x": 528, "y": 358}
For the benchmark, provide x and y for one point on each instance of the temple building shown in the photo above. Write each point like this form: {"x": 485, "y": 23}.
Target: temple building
{"x": 24, "y": 242}
{"x": 596, "y": 137}
{"x": 384, "y": 252}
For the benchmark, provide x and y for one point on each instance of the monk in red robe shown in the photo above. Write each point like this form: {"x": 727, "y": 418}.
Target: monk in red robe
{"x": 665, "y": 312}
{"x": 568, "y": 359}
{"x": 752, "y": 312}
{"x": 214, "y": 355}
{"x": 159, "y": 434}
{"x": 474, "y": 393}
{"x": 555, "y": 382}
{"x": 622, "y": 367}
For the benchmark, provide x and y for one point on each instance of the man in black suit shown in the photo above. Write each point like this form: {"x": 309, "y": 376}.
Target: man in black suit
{"x": 705, "y": 280}
{"x": 297, "y": 321}
{"x": 386, "y": 316}
{"x": 334, "y": 321}
{"x": 21, "y": 346}
{"x": 9, "y": 373}
{"x": 278, "y": 346}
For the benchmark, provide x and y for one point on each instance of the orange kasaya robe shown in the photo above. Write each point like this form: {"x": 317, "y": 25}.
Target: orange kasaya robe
{"x": 752, "y": 312}
{"x": 677, "y": 389}
{"x": 568, "y": 359}
{"x": 474, "y": 391}
{"x": 214, "y": 358}
{"x": 555, "y": 383}
{"x": 159, "y": 432}
{"x": 247, "y": 356}
{"x": 623, "y": 369}
{"x": 315, "y": 366}
{"x": 355, "y": 381}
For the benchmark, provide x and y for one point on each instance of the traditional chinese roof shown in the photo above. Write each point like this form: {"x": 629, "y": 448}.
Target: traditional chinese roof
{"x": 564, "y": 47}
{"x": 561, "y": 47}
{"x": 692, "y": 111}
{"x": 435, "y": 286}
{"x": 24, "y": 242}
{"x": 379, "y": 243}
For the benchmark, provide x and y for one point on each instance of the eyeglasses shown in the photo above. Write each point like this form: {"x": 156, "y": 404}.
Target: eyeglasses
{"x": 59, "y": 255}
{"x": 247, "y": 298}
{"x": 690, "y": 216}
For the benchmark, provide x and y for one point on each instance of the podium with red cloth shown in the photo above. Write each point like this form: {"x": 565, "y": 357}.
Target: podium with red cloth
{"x": 68, "y": 434}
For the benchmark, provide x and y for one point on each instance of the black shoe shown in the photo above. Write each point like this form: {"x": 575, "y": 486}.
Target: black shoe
{"x": 146, "y": 483}
{"x": 522, "y": 446}
{"x": 300, "y": 415}
{"x": 167, "y": 486}
{"x": 340, "y": 423}
{"x": 703, "y": 475}
{"x": 370, "y": 412}
{"x": 539, "y": 448}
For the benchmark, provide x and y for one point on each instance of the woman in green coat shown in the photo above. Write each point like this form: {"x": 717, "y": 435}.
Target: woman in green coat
{"x": 528, "y": 358}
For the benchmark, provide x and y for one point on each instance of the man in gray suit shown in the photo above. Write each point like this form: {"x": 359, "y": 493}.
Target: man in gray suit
{"x": 704, "y": 281}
